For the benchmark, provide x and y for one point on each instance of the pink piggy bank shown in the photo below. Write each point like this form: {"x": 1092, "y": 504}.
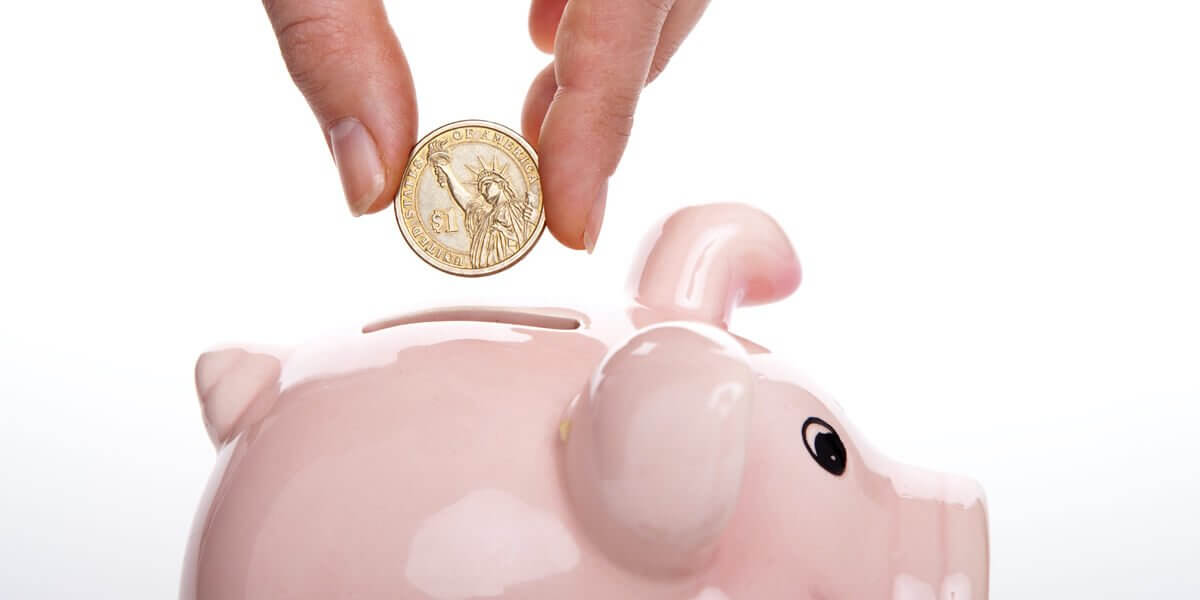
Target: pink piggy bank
{"x": 642, "y": 453}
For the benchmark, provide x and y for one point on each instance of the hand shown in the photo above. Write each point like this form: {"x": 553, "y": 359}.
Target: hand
{"x": 579, "y": 111}
{"x": 346, "y": 61}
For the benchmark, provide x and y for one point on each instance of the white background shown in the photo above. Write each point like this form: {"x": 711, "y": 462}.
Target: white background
{"x": 995, "y": 203}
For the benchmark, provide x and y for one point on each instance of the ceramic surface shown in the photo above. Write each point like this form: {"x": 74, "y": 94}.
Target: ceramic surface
{"x": 644, "y": 452}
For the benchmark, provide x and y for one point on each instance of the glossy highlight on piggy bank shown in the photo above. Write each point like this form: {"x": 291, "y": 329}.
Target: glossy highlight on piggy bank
{"x": 643, "y": 452}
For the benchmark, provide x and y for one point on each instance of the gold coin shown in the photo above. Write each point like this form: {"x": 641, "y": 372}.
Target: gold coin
{"x": 470, "y": 202}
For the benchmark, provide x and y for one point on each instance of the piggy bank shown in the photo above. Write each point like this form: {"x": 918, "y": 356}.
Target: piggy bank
{"x": 643, "y": 452}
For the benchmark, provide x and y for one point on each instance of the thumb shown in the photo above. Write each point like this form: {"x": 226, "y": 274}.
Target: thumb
{"x": 346, "y": 61}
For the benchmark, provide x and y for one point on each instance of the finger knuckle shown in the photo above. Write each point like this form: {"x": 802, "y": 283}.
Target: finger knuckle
{"x": 615, "y": 115}
{"x": 660, "y": 7}
{"x": 309, "y": 43}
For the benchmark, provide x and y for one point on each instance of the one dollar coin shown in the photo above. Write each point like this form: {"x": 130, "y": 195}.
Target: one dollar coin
{"x": 470, "y": 202}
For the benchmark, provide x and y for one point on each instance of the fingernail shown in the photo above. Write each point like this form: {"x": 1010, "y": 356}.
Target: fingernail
{"x": 357, "y": 160}
{"x": 595, "y": 218}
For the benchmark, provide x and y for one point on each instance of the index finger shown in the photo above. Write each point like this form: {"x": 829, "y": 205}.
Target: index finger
{"x": 602, "y": 56}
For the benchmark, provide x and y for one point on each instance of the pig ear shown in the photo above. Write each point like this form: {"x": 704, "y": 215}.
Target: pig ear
{"x": 705, "y": 260}
{"x": 655, "y": 446}
{"x": 235, "y": 384}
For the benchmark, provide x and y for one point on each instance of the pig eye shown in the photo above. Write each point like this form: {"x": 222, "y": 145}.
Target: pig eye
{"x": 824, "y": 445}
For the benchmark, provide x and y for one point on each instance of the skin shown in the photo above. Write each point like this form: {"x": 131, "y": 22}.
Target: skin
{"x": 346, "y": 60}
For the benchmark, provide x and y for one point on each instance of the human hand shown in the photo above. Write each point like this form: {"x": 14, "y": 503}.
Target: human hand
{"x": 579, "y": 110}
{"x": 344, "y": 57}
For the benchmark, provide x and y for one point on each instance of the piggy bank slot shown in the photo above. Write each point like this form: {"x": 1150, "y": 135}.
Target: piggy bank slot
{"x": 503, "y": 316}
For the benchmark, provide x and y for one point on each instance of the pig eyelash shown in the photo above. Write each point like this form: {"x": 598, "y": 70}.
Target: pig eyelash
{"x": 824, "y": 445}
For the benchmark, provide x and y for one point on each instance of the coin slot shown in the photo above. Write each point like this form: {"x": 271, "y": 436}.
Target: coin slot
{"x": 481, "y": 315}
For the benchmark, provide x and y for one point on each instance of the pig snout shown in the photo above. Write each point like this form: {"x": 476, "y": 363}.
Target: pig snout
{"x": 654, "y": 447}
{"x": 940, "y": 541}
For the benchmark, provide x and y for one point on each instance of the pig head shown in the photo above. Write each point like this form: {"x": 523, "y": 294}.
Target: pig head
{"x": 638, "y": 453}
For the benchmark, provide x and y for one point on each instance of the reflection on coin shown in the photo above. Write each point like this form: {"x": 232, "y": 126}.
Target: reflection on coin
{"x": 470, "y": 202}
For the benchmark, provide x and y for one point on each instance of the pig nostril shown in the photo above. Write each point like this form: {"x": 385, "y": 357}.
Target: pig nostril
{"x": 824, "y": 445}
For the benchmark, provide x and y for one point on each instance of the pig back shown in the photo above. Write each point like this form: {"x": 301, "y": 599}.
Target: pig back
{"x": 431, "y": 473}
